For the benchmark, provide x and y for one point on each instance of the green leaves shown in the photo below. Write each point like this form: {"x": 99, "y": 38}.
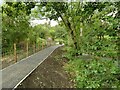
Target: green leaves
{"x": 15, "y": 24}
{"x": 94, "y": 73}
{"x": 14, "y": 9}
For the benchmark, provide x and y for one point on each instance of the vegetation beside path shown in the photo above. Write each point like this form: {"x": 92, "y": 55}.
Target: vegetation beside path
{"x": 92, "y": 72}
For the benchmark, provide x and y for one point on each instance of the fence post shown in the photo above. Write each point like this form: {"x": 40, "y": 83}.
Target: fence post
{"x": 38, "y": 46}
{"x": 42, "y": 45}
{"x": 27, "y": 49}
{"x": 15, "y": 54}
{"x": 34, "y": 47}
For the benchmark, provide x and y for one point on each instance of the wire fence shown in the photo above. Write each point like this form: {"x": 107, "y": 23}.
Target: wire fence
{"x": 21, "y": 52}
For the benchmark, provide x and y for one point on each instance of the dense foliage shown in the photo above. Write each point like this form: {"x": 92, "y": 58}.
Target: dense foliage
{"x": 15, "y": 24}
{"x": 87, "y": 23}
{"x": 94, "y": 73}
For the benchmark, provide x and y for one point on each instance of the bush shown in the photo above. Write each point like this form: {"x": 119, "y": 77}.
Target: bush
{"x": 94, "y": 73}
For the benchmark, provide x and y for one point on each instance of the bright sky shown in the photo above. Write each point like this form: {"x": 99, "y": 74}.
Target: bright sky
{"x": 1, "y": 2}
{"x": 52, "y": 22}
{"x": 43, "y": 21}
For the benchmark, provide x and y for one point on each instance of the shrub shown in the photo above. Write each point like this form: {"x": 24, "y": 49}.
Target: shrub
{"x": 94, "y": 73}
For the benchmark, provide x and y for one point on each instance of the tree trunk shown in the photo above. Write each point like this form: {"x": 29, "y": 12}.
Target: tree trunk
{"x": 73, "y": 32}
{"x": 68, "y": 25}
{"x": 118, "y": 44}
{"x": 15, "y": 54}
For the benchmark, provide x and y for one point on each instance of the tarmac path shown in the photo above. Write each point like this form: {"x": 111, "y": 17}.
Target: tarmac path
{"x": 14, "y": 74}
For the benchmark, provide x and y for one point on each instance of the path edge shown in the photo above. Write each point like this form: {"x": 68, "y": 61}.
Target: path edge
{"x": 35, "y": 68}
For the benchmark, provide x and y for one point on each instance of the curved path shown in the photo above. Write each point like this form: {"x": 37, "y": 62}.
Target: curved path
{"x": 13, "y": 75}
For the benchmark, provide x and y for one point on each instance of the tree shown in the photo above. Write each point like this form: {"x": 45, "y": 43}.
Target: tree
{"x": 15, "y": 23}
{"x": 72, "y": 14}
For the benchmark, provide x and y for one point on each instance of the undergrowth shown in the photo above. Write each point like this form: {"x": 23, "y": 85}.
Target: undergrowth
{"x": 93, "y": 73}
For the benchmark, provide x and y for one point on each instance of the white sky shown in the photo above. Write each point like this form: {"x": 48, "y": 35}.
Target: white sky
{"x": 43, "y": 21}
{"x": 1, "y": 2}
{"x": 36, "y": 22}
{"x": 53, "y": 23}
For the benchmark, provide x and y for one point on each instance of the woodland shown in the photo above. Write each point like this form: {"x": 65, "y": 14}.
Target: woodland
{"x": 84, "y": 28}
